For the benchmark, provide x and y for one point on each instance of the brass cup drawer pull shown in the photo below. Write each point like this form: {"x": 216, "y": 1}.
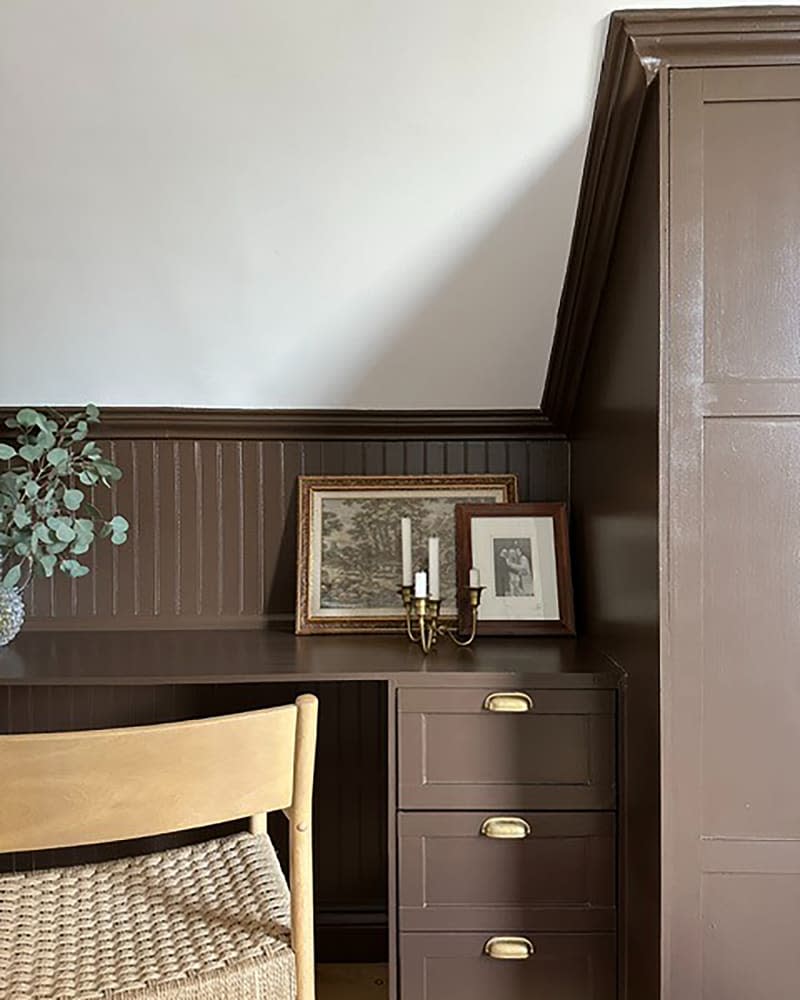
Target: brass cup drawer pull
{"x": 508, "y": 701}
{"x": 505, "y": 828}
{"x": 507, "y": 949}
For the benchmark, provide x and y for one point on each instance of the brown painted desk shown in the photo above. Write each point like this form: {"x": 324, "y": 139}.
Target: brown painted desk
{"x": 412, "y": 765}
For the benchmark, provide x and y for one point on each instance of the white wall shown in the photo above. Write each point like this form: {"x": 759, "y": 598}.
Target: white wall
{"x": 359, "y": 203}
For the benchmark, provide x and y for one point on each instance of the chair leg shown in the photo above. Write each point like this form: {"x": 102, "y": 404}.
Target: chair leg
{"x": 300, "y": 843}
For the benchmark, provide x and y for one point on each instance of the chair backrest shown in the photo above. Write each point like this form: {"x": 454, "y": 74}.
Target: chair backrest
{"x": 67, "y": 789}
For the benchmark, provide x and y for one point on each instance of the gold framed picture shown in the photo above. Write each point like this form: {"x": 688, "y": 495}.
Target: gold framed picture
{"x": 349, "y": 546}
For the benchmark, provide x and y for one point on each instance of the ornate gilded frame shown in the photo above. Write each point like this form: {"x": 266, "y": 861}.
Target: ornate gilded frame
{"x": 498, "y": 488}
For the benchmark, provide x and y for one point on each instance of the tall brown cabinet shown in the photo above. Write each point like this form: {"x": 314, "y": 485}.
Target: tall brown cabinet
{"x": 677, "y": 375}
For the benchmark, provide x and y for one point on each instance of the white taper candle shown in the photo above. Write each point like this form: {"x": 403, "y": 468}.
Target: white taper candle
{"x": 405, "y": 550}
{"x": 433, "y": 567}
{"x": 421, "y": 584}
{"x": 474, "y": 577}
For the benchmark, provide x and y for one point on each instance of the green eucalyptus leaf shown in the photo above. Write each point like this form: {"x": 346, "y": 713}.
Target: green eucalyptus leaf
{"x": 118, "y": 538}
{"x": 57, "y": 547}
{"x": 31, "y": 489}
{"x": 48, "y": 564}
{"x": 90, "y": 509}
{"x": 21, "y": 517}
{"x": 88, "y": 478}
{"x": 57, "y": 456}
{"x": 45, "y": 440}
{"x": 64, "y": 533}
{"x": 23, "y": 548}
{"x": 12, "y": 422}
{"x": 119, "y": 524}
{"x": 73, "y": 499}
{"x": 41, "y": 532}
{"x": 92, "y": 413}
{"x": 27, "y": 417}
{"x": 31, "y": 452}
{"x": 108, "y": 470}
{"x": 9, "y": 484}
{"x": 12, "y": 577}
{"x": 73, "y": 568}
{"x": 7, "y": 452}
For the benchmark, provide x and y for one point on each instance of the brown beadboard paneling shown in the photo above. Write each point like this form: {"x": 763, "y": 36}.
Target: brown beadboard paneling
{"x": 213, "y": 522}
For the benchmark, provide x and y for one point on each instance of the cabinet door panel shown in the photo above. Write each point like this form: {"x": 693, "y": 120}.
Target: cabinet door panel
{"x": 562, "y": 967}
{"x": 557, "y": 874}
{"x": 455, "y": 754}
{"x": 751, "y": 592}
{"x": 730, "y": 467}
{"x": 751, "y": 247}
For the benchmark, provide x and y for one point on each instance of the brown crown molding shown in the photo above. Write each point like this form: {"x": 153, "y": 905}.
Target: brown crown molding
{"x": 639, "y": 46}
{"x": 317, "y": 425}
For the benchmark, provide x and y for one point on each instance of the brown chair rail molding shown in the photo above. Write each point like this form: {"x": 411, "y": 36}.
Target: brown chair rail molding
{"x": 203, "y": 423}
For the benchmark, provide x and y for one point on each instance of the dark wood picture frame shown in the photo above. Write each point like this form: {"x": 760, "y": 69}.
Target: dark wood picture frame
{"x": 565, "y": 624}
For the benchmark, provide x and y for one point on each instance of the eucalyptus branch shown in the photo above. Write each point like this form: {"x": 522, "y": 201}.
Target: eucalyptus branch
{"x": 47, "y": 517}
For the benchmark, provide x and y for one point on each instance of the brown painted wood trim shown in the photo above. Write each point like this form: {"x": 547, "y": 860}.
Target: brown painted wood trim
{"x": 172, "y": 423}
{"x": 640, "y": 44}
{"x": 620, "y": 97}
{"x": 740, "y": 21}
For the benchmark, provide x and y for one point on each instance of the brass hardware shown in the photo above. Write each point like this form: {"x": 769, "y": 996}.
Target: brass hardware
{"x": 505, "y": 828}
{"x": 424, "y": 612}
{"x": 508, "y": 948}
{"x": 508, "y": 701}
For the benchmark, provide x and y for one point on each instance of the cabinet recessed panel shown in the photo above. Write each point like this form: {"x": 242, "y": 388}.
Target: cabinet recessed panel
{"x": 455, "y": 754}
{"x": 556, "y": 874}
{"x": 455, "y": 967}
{"x": 750, "y": 930}
{"x": 751, "y": 248}
{"x": 751, "y": 641}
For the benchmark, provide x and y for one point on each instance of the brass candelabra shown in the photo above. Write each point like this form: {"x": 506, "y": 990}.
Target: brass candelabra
{"x": 423, "y": 623}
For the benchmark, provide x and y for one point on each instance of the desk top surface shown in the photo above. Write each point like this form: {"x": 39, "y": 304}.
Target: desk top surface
{"x": 233, "y": 656}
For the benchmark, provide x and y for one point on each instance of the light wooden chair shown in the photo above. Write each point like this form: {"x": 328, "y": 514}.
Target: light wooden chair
{"x": 213, "y": 921}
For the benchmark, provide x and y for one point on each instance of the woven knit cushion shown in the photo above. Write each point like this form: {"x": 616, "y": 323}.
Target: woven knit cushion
{"x": 208, "y": 922}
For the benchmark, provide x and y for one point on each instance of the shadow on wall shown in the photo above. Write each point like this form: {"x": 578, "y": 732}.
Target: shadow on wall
{"x": 495, "y": 292}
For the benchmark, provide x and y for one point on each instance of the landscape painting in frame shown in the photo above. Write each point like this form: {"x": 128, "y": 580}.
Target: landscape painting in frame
{"x": 349, "y": 560}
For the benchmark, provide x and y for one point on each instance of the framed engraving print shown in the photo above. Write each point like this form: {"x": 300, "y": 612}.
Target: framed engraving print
{"x": 349, "y": 548}
{"x": 521, "y": 552}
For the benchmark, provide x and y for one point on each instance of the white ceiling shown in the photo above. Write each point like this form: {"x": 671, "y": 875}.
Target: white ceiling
{"x": 358, "y": 203}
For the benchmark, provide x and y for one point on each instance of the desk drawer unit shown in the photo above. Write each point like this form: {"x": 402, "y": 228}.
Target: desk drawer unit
{"x": 462, "y": 748}
{"x": 526, "y": 967}
{"x": 536, "y": 871}
{"x": 506, "y": 843}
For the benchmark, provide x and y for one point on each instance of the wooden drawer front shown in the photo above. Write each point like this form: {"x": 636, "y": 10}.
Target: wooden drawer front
{"x": 455, "y": 754}
{"x": 560, "y": 877}
{"x": 454, "y": 967}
